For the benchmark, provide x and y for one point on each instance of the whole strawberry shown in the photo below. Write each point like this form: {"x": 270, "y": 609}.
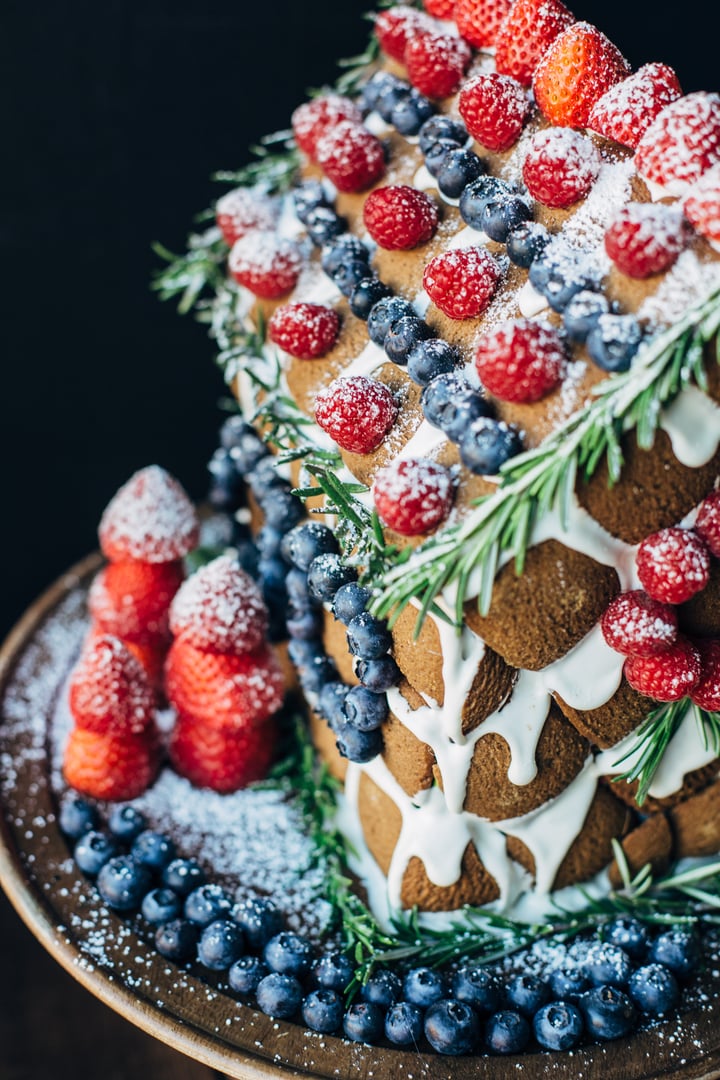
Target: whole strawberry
{"x": 351, "y": 156}
{"x": 526, "y": 34}
{"x": 105, "y": 766}
{"x": 702, "y": 206}
{"x": 220, "y": 608}
{"x": 645, "y": 238}
{"x": 109, "y": 691}
{"x": 313, "y": 119}
{"x": 357, "y": 412}
{"x": 494, "y": 108}
{"x": 395, "y": 27}
{"x": 681, "y": 144}
{"x": 305, "y": 331}
{"x": 560, "y": 166}
{"x": 521, "y": 360}
{"x": 436, "y": 63}
{"x": 131, "y": 599}
{"x": 462, "y": 283}
{"x": 399, "y": 217}
{"x": 413, "y": 495}
{"x": 667, "y": 676}
{"x": 219, "y": 760}
{"x": 626, "y": 110}
{"x": 479, "y": 21}
{"x": 265, "y": 264}
{"x": 243, "y": 210}
{"x": 580, "y": 65}
{"x": 441, "y": 9}
{"x": 150, "y": 518}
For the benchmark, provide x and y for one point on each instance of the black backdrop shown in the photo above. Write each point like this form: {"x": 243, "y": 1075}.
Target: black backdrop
{"x": 115, "y": 115}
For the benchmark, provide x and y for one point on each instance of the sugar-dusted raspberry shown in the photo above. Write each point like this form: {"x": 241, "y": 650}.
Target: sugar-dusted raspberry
{"x": 413, "y": 495}
{"x": 436, "y": 63}
{"x": 560, "y": 166}
{"x": 645, "y": 238}
{"x": 706, "y": 693}
{"x": 578, "y": 67}
{"x": 399, "y": 217}
{"x": 351, "y": 156}
{"x": 707, "y": 523}
{"x": 220, "y": 608}
{"x": 681, "y": 144}
{"x": 528, "y": 31}
{"x": 131, "y": 599}
{"x": 220, "y": 760}
{"x": 463, "y": 282}
{"x": 149, "y": 518}
{"x": 241, "y": 211}
{"x": 702, "y": 206}
{"x": 106, "y": 766}
{"x": 305, "y": 331}
{"x": 626, "y": 110}
{"x": 494, "y": 108}
{"x": 673, "y": 564}
{"x": 313, "y": 118}
{"x": 357, "y": 412}
{"x": 521, "y": 360}
{"x": 265, "y": 264}
{"x": 636, "y": 625}
{"x": 667, "y": 676}
{"x": 479, "y": 21}
{"x": 441, "y": 9}
{"x": 109, "y": 690}
{"x": 395, "y": 27}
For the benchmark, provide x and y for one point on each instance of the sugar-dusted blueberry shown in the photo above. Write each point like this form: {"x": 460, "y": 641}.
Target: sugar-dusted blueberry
{"x": 183, "y": 876}
{"x": 207, "y": 903}
{"x": 507, "y": 1032}
{"x": 288, "y": 954}
{"x": 409, "y": 114}
{"x": 501, "y": 215}
{"x": 313, "y": 675}
{"x": 349, "y": 274}
{"x": 265, "y": 478}
{"x": 452, "y": 1027}
{"x": 526, "y": 242}
{"x": 568, "y": 985}
{"x": 331, "y": 701}
{"x": 365, "y": 710}
{"x": 279, "y": 995}
{"x": 526, "y": 993}
{"x": 322, "y": 1010}
{"x": 356, "y": 745}
{"x": 245, "y": 975}
{"x": 347, "y": 248}
{"x": 430, "y": 358}
{"x": 424, "y": 986}
{"x": 376, "y": 85}
{"x": 297, "y": 590}
{"x": 221, "y": 943}
{"x": 389, "y": 98}
{"x": 457, "y": 169}
{"x": 283, "y": 511}
{"x": 160, "y": 905}
{"x": 439, "y": 394}
{"x": 350, "y": 600}
{"x": 126, "y": 822}
{"x": 324, "y": 225}
{"x": 403, "y": 336}
{"x": 364, "y": 1022}
{"x": 304, "y": 624}
{"x": 629, "y": 934}
{"x": 382, "y": 988}
{"x": 384, "y": 314}
{"x": 76, "y": 815}
{"x": 678, "y": 949}
{"x": 476, "y": 196}
{"x": 93, "y": 850}
{"x": 153, "y": 850}
{"x": 613, "y": 341}
{"x": 607, "y": 963}
{"x": 558, "y": 1025}
{"x": 378, "y": 675}
{"x": 478, "y": 987}
{"x": 609, "y": 1013}
{"x": 442, "y": 127}
{"x": 237, "y": 434}
{"x": 305, "y": 542}
{"x": 259, "y": 919}
{"x": 464, "y": 407}
{"x": 177, "y": 940}
{"x": 560, "y": 272}
{"x": 308, "y": 196}
{"x": 436, "y": 153}
{"x": 326, "y": 574}
{"x": 488, "y": 444}
{"x": 367, "y": 293}
{"x": 122, "y": 882}
{"x": 583, "y": 312}
{"x": 368, "y": 637}
{"x": 654, "y": 989}
{"x": 333, "y": 971}
{"x": 404, "y": 1024}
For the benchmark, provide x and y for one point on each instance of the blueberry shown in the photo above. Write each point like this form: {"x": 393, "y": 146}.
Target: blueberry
{"x": 349, "y": 274}
{"x": 122, "y": 882}
{"x": 326, "y": 574}
{"x": 221, "y": 943}
{"x": 582, "y": 313}
{"x": 452, "y": 1027}
{"x": 379, "y": 675}
{"x": 93, "y": 850}
{"x": 308, "y": 196}
{"x": 364, "y": 1022}
{"x": 283, "y": 510}
{"x": 305, "y": 542}
{"x": 347, "y": 248}
{"x": 177, "y": 940}
{"x": 527, "y": 993}
{"x": 324, "y": 225}
{"x": 442, "y": 127}
{"x": 364, "y": 710}
{"x": 476, "y": 986}
{"x": 279, "y": 995}
{"x": 304, "y": 624}
{"x": 382, "y": 988}
{"x": 629, "y": 933}
{"x": 568, "y": 985}
{"x": 237, "y": 434}
{"x": 476, "y": 196}
{"x": 423, "y": 986}
{"x": 411, "y": 112}
{"x": 333, "y": 971}
{"x": 501, "y": 215}
{"x": 245, "y": 974}
{"x": 315, "y": 671}
{"x": 248, "y": 558}
{"x": 457, "y": 169}
{"x": 297, "y": 590}
{"x": 160, "y": 905}
{"x": 76, "y": 815}
{"x": 439, "y": 394}
{"x": 430, "y": 358}
{"x": 183, "y": 875}
{"x": 404, "y": 1024}
{"x": 206, "y": 904}
{"x": 560, "y": 272}
{"x": 487, "y": 445}
{"x": 226, "y": 487}
{"x": 613, "y": 341}
{"x": 368, "y": 637}
{"x": 349, "y": 601}
{"x": 268, "y": 541}
{"x": 605, "y": 963}
{"x": 608, "y": 1012}
{"x": 677, "y": 949}
{"x": 464, "y": 407}
{"x": 259, "y": 918}
{"x": 436, "y": 153}
{"x": 322, "y": 1010}
{"x": 526, "y": 242}
{"x": 356, "y": 745}
{"x": 507, "y": 1032}
{"x": 265, "y": 478}
{"x": 288, "y": 954}
{"x": 366, "y": 294}
{"x": 332, "y": 699}
{"x": 654, "y": 989}
{"x": 376, "y": 85}
{"x": 558, "y": 1026}
{"x": 389, "y": 98}
{"x": 126, "y": 823}
{"x": 403, "y": 335}
{"x": 384, "y": 314}
{"x": 153, "y": 850}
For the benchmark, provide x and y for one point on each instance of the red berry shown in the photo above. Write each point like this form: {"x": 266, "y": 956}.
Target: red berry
{"x": 681, "y": 144}
{"x": 560, "y": 166}
{"x": 413, "y": 495}
{"x": 441, "y": 9}
{"x": 109, "y": 690}
{"x": 479, "y": 21}
{"x": 626, "y": 110}
{"x": 357, "y": 412}
{"x": 673, "y": 564}
{"x": 707, "y": 523}
{"x": 241, "y": 211}
{"x": 667, "y": 676}
{"x": 149, "y": 518}
{"x": 636, "y": 625}
{"x": 521, "y": 360}
{"x": 220, "y": 760}
{"x": 311, "y": 120}
{"x": 436, "y": 63}
{"x": 351, "y": 156}
{"x": 106, "y": 766}
{"x": 131, "y": 599}
{"x": 494, "y": 108}
{"x": 220, "y": 608}
{"x": 702, "y": 205}
{"x": 462, "y": 283}
{"x": 395, "y": 27}
{"x": 645, "y": 238}
{"x": 706, "y": 693}
{"x": 400, "y": 217}
{"x": 305, "y": 331}
{"x": 266, "y": 265}
{"x": 578, "y": 67}
{"x": 527, "y": 33}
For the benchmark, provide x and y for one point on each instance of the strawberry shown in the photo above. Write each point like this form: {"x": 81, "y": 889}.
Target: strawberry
{"x": 681, "y": 144}
{"x": 305, "y": 331}
{"x": 357, "y": 412}
{"x": 150, "y": 518}
{"x": 636, "y": 625}
{"x": 436, "y": 63}
{"x": 528, "y": 31}
{"x": 645, "y": 238}
{"x": 494, "y": 108}
{"x": 241, "y": 211}
{"x": 221, "y": 761}
{"x": 106, "y": 766}
{"x": 265, "y": 264}
{"x": 462, "y": 283}
{"x": 706, "y": 692}
{"x": 400, "y": 217}
{"x": 673, "y": 564}
{"x": 109, "y": 691}
{"x": 397, "y": 26}
{"x": 669, "y": 675}
{"x": 702, "y": 206}
{"x": 413, "y": 495}
{"x": 626, "y": 110}
{"x": 479, "y": 21}
{"x": 521, "y": 360}
{"x": 311, "y": 120}
{"x": 560, "y": 166}
{"x": 580, "y": 65}
{"x": 351, "y": 156}
{"x": 220, "y": 608}
{"x": 131, "y": 599}
{"x": 440, "y": 9}
{"x": 707, "y": 522}
{"x": 222, "y": 690}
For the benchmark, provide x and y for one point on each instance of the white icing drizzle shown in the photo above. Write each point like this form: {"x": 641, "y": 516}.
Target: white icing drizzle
{"x": 426, "y": 440}
{"x": 588, "y": 675}
{"x": 530, "y": 301}
{"x": 467, "y": 238}
{"x": 370, "y": 359}
{"x": 520, "y": 721}
{"x": 692, "y": 423}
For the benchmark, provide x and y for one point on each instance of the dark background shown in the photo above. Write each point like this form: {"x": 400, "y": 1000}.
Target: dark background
{"x": 114, "y": 116}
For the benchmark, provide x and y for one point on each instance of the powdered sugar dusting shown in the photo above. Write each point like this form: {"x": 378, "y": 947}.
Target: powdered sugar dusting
{"x": 150, "y": 518}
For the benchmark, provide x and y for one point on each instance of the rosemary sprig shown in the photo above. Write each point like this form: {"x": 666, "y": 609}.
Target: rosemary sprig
{"x": 275, "y": 168}
{"x": 191, "y": 276}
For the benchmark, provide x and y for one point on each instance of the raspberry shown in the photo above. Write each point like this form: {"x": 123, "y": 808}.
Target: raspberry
{"x": 673, "y": 564}
{"x": 626, "y": 110}
{"x": 667, "y": 676}
{"x": 578, "y": 67}
{"x": 219, "y": 760}
{"x": 265, "y": 265}
{"x": 109, "y": 691}
{"x": 702, "y": 205}
{"x": 681, "y": 144}
{"x": 413, "y": 495}
{"x": 645, "y": 238}
{"x": 149, "y": 518}
{"x": 241, "y": 211}
{"x": 357, "y": 412}
{"x": 636, "y": 625}
{"x": 395, "y": 27}
{"x": 351, "y": 157}
{"x": 305, "y": 331}
{"x": 494, "y": 108}
{"x": 400, "y": 217}
{"x": 441, "y": 9}
{"x": 104, "y": 766}
{"x": 521, "y": 360}
{"x": 560, "y": 166}
{"x": 313, "y": 119}
{"x": 220, "y": 608}
{"x": 462, "y": 283}
{"x": 436, "y": 63}
{"x": 479, "y": 21}
{"x": 706, "y": 692}
{"x": 707, "y": 523}
{"x": 527, "y": 33}
{"x": 131, "y": 599}
{"x": 223, "y": 690}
